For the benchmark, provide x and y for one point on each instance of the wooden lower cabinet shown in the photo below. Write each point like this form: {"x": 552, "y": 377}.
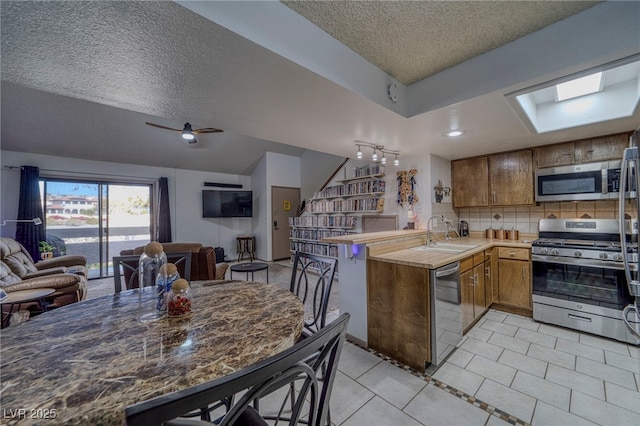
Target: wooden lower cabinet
{"x": 472, "y": 288}
{"x": 514, "y": 281}
{"x": 399, "y": 312}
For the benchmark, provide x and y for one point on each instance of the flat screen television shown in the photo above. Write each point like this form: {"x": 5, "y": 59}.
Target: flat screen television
{"x": 227, "y": 203}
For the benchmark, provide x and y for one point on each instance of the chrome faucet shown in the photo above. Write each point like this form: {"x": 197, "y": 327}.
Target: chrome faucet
{"x": 430, "y": 242}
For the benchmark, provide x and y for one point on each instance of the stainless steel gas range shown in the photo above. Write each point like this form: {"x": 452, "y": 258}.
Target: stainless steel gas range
{"x": 578, "y": 275}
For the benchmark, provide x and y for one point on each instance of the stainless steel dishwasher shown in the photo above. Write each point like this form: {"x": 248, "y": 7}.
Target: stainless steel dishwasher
{"x": 446, "y": 315}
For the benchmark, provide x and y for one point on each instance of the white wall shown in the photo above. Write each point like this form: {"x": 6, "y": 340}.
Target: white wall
{"x": 422, "y": 189}
{"x": 261, "y": 202}
{"x": 282, "y": 170}
{"x": 317, "y": 168}
{"x": 185, "y": 188}
{"x": 188, "y": 221}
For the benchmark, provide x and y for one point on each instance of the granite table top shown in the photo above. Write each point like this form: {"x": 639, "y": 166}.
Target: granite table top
{"x": 86, "y": 362}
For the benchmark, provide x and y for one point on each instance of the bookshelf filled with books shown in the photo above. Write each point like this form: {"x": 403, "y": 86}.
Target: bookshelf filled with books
{"x": 336, "y": 210}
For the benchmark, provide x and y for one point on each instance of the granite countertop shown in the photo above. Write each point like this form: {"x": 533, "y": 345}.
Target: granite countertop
{"x": 432, "y": 260}
{"x": 86, "y": 362}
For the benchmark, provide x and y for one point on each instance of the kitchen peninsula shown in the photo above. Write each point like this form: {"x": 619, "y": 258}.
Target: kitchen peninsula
{"x": 385, "y": 284}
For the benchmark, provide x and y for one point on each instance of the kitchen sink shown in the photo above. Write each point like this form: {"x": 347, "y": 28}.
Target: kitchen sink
{"x": 447, "y": 247}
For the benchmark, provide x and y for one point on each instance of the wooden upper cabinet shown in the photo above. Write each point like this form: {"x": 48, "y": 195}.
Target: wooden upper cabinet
{"x": 592, "y": 150}
{"x": 601, "y": 149}
{"x": 511, "y": 178}
{"x": 470, "y": 182}
{"x": 555, "y": 155}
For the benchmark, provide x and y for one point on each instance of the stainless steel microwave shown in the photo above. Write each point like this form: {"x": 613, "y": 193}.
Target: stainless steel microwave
{"x": 590, "y": 181}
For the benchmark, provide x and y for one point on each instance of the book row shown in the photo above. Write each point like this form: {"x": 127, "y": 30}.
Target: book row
{"x": 338, "y": 221}
{"x": 353, "y": 205}
{"x": 368, "y": 170}
{"x": 316, "y": 234}
{"x": 321, "y": 249}
{"x": 355, "y": 188}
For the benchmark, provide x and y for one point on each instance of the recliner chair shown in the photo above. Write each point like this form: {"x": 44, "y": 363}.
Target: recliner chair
{"x": 22, "y": 264}
{"x": 69, "y": 287}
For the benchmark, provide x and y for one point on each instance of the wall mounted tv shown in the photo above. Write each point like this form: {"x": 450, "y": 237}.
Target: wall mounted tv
{"x": 227, "y": 203}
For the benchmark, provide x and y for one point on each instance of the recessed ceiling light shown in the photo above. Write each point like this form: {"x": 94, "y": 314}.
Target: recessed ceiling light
{"x": 579, "y": 87}
{"x": 455, "y": 133}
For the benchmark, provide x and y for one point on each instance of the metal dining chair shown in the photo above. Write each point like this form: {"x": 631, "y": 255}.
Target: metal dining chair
{"x": 127, "y": 266}
{"x": 311, "y": 280}
{"x": 303, "y": 361}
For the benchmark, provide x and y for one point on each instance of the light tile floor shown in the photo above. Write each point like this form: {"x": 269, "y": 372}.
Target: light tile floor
{"x": 507, "y": 367}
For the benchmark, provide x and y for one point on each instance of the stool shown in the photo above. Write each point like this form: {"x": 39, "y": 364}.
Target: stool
{"x": 245, "y": 244}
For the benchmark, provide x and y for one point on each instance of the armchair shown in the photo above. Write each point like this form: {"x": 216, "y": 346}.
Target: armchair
{"x": 16, "y": 257}
{"x": 69, "y": 288}
{"x": 203, "y": 260}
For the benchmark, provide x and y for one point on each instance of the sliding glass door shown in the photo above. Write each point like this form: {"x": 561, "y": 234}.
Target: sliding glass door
{"x": 96, "y": 219}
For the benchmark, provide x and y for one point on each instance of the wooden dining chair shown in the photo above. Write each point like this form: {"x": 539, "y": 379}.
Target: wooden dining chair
{"x": 302, "y": 361}
{"x": 311, "y": 280}
{"x": 127, "y": 267}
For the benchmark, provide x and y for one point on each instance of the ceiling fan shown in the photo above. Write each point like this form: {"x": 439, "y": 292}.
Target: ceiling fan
{"x": 187, "y": 132}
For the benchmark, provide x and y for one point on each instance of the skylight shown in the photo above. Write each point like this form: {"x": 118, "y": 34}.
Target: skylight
{"x": 579, "y": 87}
{"x": 608, "y": 92}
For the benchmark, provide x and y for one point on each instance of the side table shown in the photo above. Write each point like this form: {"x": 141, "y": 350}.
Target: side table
{"x": 249, "y": 267}
{"x": 16, "y": 298}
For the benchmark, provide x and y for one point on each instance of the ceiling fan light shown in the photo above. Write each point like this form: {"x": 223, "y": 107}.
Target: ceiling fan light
{"x": 396, "y": 162}
{"x": 374, "y": 156}
{"x": 187, "y": 132}
{"x": 383, "y": 160}
{"x": 359, "y": 153}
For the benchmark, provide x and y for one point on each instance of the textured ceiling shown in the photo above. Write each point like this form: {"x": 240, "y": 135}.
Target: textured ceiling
{"x": 79, "y": 79}
{"x": 413, "y": 40}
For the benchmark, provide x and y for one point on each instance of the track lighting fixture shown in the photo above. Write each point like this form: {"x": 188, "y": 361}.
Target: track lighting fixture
{"x": 376, "y": 148}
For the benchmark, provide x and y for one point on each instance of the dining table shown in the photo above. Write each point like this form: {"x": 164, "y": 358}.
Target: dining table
{"x": 86, "y": 362}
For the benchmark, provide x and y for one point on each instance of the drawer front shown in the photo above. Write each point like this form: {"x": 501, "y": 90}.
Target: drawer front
{"x": 466, "y": 264}
{"x": 478, "y": 258}
{"x": 513, "y": 253}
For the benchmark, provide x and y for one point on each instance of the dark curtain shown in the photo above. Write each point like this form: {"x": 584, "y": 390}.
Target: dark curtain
{"x": 30, "y": 206}
{"x": 163, "y": 215}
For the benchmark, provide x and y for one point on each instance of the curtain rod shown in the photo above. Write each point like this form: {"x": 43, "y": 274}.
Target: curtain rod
{"x": 87, "y": 173}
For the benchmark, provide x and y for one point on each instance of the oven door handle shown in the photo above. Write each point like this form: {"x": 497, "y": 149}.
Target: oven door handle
{"x": 594, "y": 263}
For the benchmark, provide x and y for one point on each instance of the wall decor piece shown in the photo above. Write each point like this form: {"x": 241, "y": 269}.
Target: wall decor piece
{"x": 286, "y": 205}
{"x": 441, "y": 191}
{"x": 406, "y": 187}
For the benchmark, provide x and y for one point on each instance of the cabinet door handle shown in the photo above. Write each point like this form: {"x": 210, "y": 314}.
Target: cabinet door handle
{"x": 524, "y": 273}
{"x": 494, "y": 198}
{"x": 512, "y": 254}
{"x": 487, "y": 271}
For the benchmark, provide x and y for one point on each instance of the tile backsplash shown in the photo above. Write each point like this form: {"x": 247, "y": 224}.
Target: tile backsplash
{"x": 525, "y": 219}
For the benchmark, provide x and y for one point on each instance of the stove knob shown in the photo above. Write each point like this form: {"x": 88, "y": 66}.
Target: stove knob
{"x": 617, "y": 256}
{"x": 544, "y": 250}
{"x": 577, "y": 253}
{"x": 555, "y": 252}
{"x": 604, "y": 256}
